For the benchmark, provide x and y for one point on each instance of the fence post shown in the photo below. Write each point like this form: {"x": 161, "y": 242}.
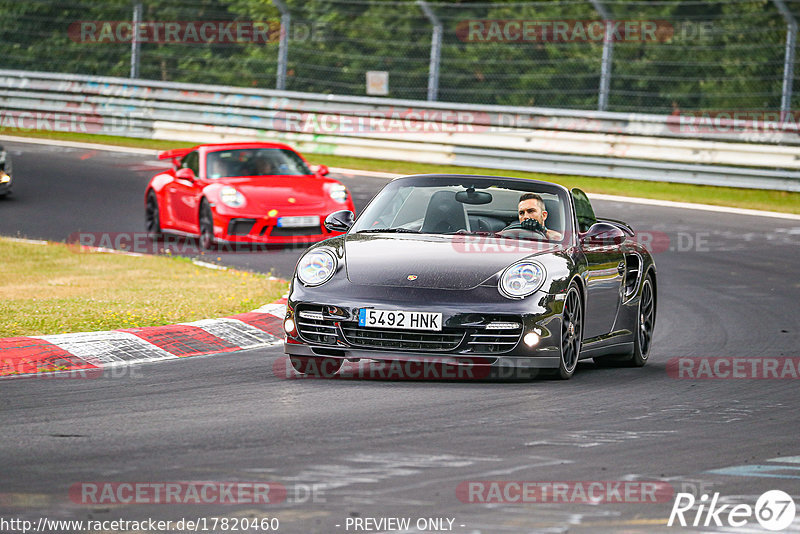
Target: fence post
{"x": 135, "y": 44}
{"x": 788, "y": 61}
{"x": 283, "y": 47}
{"x": 608, "y": 53}
{"x": 436, "y": 50}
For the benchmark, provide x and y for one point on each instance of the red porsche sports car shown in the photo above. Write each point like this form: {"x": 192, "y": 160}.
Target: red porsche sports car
{"x": 243, "y": 193}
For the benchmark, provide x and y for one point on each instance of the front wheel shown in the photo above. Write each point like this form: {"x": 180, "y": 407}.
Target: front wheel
{"x": 571, "y": 333}
{"x": 152, "y": 216}
{"x": 206, "y": 220}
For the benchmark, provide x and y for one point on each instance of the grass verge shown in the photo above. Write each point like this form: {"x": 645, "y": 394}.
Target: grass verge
{"x": 55, "y": 288}
{"x": 768, "y": 200}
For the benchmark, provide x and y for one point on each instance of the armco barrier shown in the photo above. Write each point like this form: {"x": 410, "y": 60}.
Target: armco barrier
{"x": 634, "y": 146}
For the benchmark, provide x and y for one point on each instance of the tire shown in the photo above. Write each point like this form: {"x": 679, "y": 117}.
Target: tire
{"x": 643, "y": 332}
{"x": 152, "y": 218}
{"x": 313, "y": 366}
{"x": 206, "y": 222}
{"x": 571, "y": 333}
{"x": 645, "y": 324}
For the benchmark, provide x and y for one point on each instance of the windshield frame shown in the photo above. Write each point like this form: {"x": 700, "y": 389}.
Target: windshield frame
{"x": 287, "y": 153}
{"x": 522, "y": 185}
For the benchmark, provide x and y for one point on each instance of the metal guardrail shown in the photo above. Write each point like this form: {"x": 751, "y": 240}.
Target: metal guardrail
{"x": 619, "y": 145}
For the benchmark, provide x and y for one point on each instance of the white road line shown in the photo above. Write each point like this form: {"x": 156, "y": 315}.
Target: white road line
{"x": 27, "y": 241}
{"x": 79, "y": 144}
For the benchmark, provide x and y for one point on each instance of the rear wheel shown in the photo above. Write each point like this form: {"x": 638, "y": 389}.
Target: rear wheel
{"x": 206, "y": 220}
{"x": 645, "y": 324}
{"x": 313, "y": 366}
{"x": 152, "y": 216}
{"x": 571, "y": 333}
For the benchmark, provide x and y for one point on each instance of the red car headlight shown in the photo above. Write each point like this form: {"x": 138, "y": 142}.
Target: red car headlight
{"x": 338, "y": 193}
{"x": 231, "y": 197}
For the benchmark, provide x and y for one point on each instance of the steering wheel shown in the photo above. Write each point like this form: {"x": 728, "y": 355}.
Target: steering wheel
{"x": 528, "y": 225}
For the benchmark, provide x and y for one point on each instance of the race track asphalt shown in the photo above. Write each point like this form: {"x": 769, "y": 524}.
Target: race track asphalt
{"x": 728, "y": 287}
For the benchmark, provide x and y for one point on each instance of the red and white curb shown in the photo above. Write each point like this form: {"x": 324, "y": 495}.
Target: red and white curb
{"x": 29, "y": 356}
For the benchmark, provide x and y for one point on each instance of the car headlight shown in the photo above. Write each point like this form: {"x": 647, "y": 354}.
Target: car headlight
{"x": 338, "y": 192}
{"x": 316, "y": 267}
{"x": 521, "y": 279}
{"x": 231, "y": 197}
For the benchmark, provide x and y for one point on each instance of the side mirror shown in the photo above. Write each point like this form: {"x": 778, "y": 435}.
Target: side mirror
{"x": 340, "y": 221}
{"x": 185, "y": 174}
{"x": 322, "y": 170}
{"x": 603, "y": 234}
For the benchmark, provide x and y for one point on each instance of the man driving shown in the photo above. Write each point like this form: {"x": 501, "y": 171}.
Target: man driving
{"x": 263, "y": 166}
{"x": 532, "y": 214}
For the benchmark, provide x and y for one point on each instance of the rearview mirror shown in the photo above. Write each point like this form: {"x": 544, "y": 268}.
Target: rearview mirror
{"x": 185, "y": 174}
{"x": 470, "y": 196}
{"x": 339, "y": 221}
{"x": 322, "y": 170}
{"x": 604, "y": 234}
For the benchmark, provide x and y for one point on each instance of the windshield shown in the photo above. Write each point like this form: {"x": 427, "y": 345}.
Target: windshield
{"x": 467, "y": 205}
{"x": 254, "y": 162}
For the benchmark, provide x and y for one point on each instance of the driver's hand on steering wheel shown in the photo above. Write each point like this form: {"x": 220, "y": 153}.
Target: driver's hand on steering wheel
{"x": 533, "y": 225}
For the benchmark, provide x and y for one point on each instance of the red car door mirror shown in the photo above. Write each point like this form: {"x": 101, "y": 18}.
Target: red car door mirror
{"x": 185, "y": 174}
{"x": 322, "y": 170}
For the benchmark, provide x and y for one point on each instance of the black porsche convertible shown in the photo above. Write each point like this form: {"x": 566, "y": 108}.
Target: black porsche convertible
{"x": 487, "y": 272}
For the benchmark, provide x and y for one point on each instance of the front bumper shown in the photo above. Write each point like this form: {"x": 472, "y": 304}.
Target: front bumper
{"x": 472, "y": 333}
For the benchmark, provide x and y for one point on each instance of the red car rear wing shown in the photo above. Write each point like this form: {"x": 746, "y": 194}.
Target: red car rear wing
{"x": 175, "y": 154}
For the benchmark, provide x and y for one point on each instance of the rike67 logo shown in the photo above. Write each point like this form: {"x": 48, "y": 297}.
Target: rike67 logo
{"x": 774, "y": 510}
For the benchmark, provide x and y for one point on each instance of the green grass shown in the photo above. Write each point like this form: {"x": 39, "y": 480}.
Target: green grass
{"x": 769, "y": 200}
{"x": 58, "y": 288}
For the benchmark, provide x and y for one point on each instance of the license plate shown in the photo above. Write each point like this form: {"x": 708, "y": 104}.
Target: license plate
{"x": 404, "y": 320}
{"x": 296, "y": 222}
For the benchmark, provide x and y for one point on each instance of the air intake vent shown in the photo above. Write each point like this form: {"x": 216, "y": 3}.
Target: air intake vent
{"x": 313, "y": 327}
{"x": 633, "y": 271}
{"x": 494, "y": 340}
{"x": 240, "y": 226}
{"x": 446, "y": 340}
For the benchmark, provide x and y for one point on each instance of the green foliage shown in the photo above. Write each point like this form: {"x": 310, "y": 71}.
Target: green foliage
{"x": 712, "y": 55}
